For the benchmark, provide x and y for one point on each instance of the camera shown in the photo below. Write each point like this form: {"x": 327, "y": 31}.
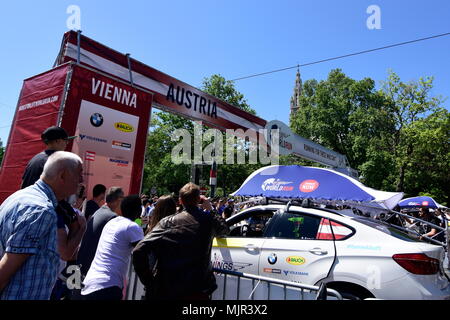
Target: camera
{"x": 67, "y": 212}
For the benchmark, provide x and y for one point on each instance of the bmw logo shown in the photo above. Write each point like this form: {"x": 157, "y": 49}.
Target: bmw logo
{"x": 96, "y": 120}
{"x": 272, "y": 258}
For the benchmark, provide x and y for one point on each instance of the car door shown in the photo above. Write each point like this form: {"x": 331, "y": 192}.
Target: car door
{"x": 299, "y": 248}
{"x": 240, "y": 250}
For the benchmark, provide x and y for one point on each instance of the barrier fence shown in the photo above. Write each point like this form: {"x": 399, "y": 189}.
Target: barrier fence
{"x": 233, "y": 285}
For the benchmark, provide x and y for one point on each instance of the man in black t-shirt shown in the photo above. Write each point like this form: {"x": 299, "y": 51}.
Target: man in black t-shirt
{"x": 228, "y": 210}
{"x": 97, "y": 201}
{"x": 427, "y": 230}
{"x": 56, "y": 139}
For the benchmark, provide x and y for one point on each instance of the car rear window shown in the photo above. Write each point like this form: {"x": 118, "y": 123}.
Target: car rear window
{"x": 388, "y": 229}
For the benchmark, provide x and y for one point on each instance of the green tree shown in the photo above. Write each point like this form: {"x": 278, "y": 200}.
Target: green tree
{"x": 428, "y": 169}
{"x": 397, "y": 137}
{"x": 411, "y": 107}
{"x": 217, "y": 86}
{"x": 229, "y": 176}
{"x": 341, "y": 114}
{"x": 159, "y": 170}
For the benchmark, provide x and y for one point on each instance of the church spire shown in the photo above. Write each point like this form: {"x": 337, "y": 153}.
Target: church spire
{"x": 297, "y": 92}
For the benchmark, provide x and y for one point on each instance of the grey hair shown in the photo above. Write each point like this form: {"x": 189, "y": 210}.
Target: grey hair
{"x": 114, "y": 193}
{"x": 59, "y": 161}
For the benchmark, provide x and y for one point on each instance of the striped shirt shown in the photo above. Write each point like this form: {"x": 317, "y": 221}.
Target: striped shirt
{"x": 28, "y": 226}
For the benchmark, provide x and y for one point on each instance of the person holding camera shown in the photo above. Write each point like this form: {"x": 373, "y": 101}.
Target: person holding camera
{"x": 71, "y": 226}
{"x": 29, "y": 258}
{"x": 181, "y": 246}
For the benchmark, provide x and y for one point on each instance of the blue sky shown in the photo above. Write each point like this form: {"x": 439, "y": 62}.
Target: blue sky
{"x": 191, "y": 40}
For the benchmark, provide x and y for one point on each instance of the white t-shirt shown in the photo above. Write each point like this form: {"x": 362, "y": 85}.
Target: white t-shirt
{"x": 109, "y": 267}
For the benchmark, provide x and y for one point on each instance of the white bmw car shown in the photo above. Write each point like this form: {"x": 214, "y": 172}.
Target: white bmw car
{"x": 359, "y": 257}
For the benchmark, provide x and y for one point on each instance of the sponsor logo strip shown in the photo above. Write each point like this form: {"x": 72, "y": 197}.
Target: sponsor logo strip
{"x": 295, "y": 260}
{"x": 121, "y": 145}
{"x": 96, "y": 120}
{"x": 124, "y": 127}
{"x": 218, "y": 263}
{"x": 273, "y": 184}
{"x": 295, "y": 273}
{"x": 270, "y": 270}
{"x": 121, "y": 163}
{"x": 38, "y": 103}
{"x": 308, "y": 186}
{"x": 95, "y": 139}
{"x": 364, "y": 247}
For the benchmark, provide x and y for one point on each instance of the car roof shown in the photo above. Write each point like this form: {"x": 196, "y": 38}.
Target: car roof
{"x": 326, "y": 213}
{"x": 346, "y": 217}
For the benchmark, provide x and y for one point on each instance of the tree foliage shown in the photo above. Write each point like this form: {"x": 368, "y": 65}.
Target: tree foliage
{"x": 223, "y": 89}
{"x": 396, "y": 137}
{"x": 159, "y": 170}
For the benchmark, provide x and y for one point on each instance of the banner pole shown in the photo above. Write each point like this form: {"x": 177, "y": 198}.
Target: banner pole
{"x": 129, "y": 68}
{"x": 65, "y": 94}
{"x": 78, "y": 46}
{"x": 213, "y": 179}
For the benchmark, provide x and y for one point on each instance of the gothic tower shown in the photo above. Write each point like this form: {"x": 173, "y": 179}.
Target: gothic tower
{"x": 297, "y": 93}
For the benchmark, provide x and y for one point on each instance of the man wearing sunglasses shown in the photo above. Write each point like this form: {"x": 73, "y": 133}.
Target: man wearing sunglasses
{"x": 56, "y": 139}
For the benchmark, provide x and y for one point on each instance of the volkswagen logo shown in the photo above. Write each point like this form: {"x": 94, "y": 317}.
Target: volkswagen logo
{"x": 96, "y": 120}
{"x": 272, "y": 258}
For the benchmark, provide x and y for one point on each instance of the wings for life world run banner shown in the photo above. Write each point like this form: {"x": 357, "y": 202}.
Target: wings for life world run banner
{"x": 64, "y": 94}
{"x": 38, "y": 108}
{"x": 109, "y": 116}
{"x": 170, "y": 94}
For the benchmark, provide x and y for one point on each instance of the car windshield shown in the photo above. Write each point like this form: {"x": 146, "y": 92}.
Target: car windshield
{"x": 388, "y": 229}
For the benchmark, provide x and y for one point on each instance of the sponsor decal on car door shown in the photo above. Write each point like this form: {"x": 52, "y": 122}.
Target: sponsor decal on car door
{"x": 304, "y": 250}
{"x": 237, "y": 254}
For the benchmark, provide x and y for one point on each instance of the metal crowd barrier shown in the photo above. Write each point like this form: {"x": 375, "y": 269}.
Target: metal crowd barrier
{"x": 135, "y": 288}
{"x": 233, "y": 285}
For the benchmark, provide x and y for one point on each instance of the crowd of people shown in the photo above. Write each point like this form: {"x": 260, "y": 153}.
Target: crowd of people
{"x": 50, "y": 226}
{"x": 224, "y": 207}
{"x": 433, "y": 218}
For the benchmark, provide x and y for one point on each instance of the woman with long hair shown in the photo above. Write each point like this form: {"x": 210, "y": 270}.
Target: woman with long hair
{"x": 166, "y": 206}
